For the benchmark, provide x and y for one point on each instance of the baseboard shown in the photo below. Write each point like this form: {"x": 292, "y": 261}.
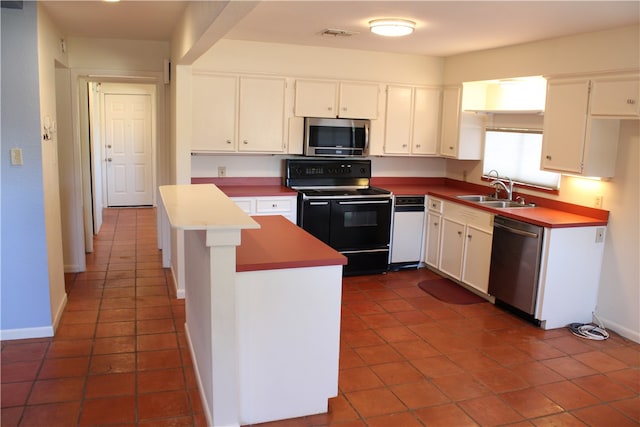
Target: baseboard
{"x": 58, "y": 314}
{"x": 203, "y": 397}
{"x": 619, "y": 329}
{"x": 179, "y": 292}
{"x": 26, "y": 333}
{"x": 74, "y": 268}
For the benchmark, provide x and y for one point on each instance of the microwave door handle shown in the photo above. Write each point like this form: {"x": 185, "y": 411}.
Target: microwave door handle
{"x": 366, "y": 139}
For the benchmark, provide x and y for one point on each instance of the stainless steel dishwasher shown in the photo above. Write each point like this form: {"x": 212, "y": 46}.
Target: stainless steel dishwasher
{"x": 515, "y": 265}
{"x": 406, "y": 239}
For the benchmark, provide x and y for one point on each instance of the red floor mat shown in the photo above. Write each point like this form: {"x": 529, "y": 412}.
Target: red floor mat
{"x": 447, "y": 291}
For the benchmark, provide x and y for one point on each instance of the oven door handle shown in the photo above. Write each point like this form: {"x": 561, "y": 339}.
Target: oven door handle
{"x": 366, "y": 202}
{"x": 318, "y": 203}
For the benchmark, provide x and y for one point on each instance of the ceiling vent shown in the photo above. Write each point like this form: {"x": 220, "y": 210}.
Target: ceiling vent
{"x": 335, "y": 32}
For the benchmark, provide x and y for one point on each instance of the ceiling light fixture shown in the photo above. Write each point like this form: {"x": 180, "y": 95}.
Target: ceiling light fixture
{"x": 392, "y": 27}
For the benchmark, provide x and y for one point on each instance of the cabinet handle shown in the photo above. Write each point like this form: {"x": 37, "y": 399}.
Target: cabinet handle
{"x": 274, "y": 205}
{"x": 631, "y": 101}
{"x": 329, "y": 108}
{"x": 344, "y": 108}
{"x": 548, "y": 157}
{"x": 417, "y": 145}
{"x": 451, "y": 147}
{"x": 459, "y": 233}
{"x": 228, "y": 141}
{"x": 404, "y": 145}
{"x": 245, "y": 142}
{"x": 468, "y": 236}
{"x": 435, "y": 224}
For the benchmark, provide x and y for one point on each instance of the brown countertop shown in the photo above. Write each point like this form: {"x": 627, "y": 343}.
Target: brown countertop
{"x": 547, "y": 213}
{"x": 539, "y": 215}
{"x": 248, "y": 187}
{"x": 281, "y": 244}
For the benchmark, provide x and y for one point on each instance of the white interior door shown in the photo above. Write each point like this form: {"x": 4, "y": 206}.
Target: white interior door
{"x": 128, "y": 149}
{"x": 95, "y": 159}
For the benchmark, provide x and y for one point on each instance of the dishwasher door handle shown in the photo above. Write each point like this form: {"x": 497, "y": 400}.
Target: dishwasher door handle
{"x": 516, "y": 231}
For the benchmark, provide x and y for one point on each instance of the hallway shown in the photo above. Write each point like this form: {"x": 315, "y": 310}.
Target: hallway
{"x": 120, "y": 356}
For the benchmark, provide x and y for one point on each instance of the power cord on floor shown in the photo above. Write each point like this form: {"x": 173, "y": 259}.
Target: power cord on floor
{"x": 589, "y": 330}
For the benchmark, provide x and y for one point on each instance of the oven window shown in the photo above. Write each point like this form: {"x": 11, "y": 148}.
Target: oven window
{"x": 360, "y": 219}
{"x": 328, "y": 136}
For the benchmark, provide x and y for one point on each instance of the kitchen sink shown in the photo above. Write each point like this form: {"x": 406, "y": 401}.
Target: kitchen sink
{"x": 503, "y": 204}
{"x": 491, "y": 201}
{"x": 477, "y": 198}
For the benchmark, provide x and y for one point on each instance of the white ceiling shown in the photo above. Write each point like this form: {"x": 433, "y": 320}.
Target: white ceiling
{"x": 443, "y": 27}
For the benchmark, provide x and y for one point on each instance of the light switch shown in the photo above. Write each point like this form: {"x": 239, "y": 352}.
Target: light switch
{"x": 16, "y": 156}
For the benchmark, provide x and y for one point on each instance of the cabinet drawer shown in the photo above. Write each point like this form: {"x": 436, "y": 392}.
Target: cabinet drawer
{"x": 476, "y": 217}
{"x": 245, "y": 204}
{"x": 435, "y": 205}
{"x": 274, "y": 205}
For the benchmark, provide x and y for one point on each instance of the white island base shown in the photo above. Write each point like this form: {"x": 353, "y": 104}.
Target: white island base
{"x": 263, "y": 329}
{"x": 288, "y": 341}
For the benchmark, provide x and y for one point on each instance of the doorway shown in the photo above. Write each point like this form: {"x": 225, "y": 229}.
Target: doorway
{"x": 128, "y": 149}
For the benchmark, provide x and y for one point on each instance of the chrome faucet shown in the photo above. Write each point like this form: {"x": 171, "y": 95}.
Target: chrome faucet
{"x": 497, "y": 184}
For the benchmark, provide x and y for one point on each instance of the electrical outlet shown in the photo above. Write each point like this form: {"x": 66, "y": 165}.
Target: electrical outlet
{"x": 599, "y": 235}
{"x": 16, "y": 156}
{"x": 222, "y": 171}
{"x": 597, "y": 202}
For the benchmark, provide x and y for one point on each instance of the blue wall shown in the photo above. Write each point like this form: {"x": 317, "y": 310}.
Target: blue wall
{"x": 24, "y": 286}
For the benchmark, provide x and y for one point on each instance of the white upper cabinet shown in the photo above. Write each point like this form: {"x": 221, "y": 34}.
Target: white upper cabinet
{"x": 461, "y": 132}
{"x": 574, "y": 141}
{"x": 358, "y": 100}
{"x": 322, "y": 98}
{"x": 214, "y": 113}
{"x": 616, "y": 96}
{"x": 238, "y": 114}
{"x": 261, "y": 121}
{"x": 412, "y": 120}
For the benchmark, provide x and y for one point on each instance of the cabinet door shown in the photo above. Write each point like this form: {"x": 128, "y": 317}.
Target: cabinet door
{"x": 399, "y": 120}
{"x": 426, "y": 121}
{"x": 432, "y": 247}
{"x": 214, "y": 112}
{"x": 358, "y": 101}
{"x": 615, "y": 97}
{"x": 565, "y": 120}
{"x": 316, "y": 98}
{"x": 477, "y": 258}
{"x": 451, "y": 246}
{"x": 261, "y": 118}
{"x": 450, "y": 126}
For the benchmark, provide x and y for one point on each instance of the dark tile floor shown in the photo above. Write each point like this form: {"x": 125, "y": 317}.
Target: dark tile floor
{"x": 119, "y": 357}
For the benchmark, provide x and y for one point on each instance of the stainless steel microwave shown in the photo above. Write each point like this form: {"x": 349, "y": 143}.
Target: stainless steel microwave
{"x": 336, "y": 137}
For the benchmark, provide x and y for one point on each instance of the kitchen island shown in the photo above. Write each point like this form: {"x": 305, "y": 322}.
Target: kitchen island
{"x": 262, "y": 309}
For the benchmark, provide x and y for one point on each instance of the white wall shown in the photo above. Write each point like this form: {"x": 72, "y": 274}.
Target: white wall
{"x": 320, "y": 62}
{"x": 593, "y": 52}
{"x": 50, "y": 53}
{"x": 25, "y": 301}
{"x": 619, "y": 296}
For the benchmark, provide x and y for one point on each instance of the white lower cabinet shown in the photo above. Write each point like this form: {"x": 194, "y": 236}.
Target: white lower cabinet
{"x": 451, "y": 247}
{"x": 465, "y": 245}
{"x": 432, "y": 246}
{"x": 269, "y": 205}
{"x": 477, "y": 258}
